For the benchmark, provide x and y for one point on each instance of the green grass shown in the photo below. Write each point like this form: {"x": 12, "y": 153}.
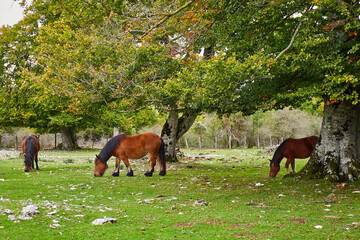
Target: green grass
{"x": 242, "y": 201}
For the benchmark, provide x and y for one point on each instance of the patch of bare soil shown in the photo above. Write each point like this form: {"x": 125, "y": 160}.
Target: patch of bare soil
{"x": 185, "y": 224}
{"x": 301, "y": 221}
{"x": 233, "y": 225}
{"x": 247, "y": 234}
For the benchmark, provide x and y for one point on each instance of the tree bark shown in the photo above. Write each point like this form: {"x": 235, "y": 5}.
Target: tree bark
{"x": 173, "y": 129}
{"x": 68, "y": 136}
{"x": 337, "y": 154}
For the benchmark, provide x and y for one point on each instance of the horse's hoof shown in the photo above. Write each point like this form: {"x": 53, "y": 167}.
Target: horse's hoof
{"x": 115, "y": 174}
{"x": 148, "y": 174}
{"x": 162, "y": 173}
{"x": 130, "y": 174}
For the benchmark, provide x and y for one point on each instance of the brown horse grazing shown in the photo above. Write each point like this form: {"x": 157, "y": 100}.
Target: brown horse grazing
{"x": 291, "y": 149}
{"x": 123, "y": 147}
{"x": 30, "y": 146}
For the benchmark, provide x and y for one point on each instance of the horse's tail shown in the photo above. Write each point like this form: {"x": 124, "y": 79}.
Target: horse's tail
{"x": 278, "y": 155}
{"x": 162, "y": 157}
{"x": 29, "y": 151}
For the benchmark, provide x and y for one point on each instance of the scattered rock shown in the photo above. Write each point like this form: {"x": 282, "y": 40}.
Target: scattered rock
{"x": 4, "y": 199}
{"x": 251, "y": 203}
{"x": 11, "y": 217}
{"x": 30, "y": 210}
{"x": 201, "y": 202}
{"x": 280, "y": 196}
{"x": 55, "y": 225}
{"x": 149, "y": 201}
{"x": 25, "y": 217}
{"x": 52, "y": 213}
{"x": 7, "y": 212}
{"x": 331, "y": 196}
{"x": 101, "y": 221}
{"x": 196, "y": 179}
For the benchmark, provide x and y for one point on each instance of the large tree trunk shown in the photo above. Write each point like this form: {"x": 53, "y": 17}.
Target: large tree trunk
{"x": 68, "y": 136}
{"x": 173, "y": 130}
{"x": 337, "y": 154}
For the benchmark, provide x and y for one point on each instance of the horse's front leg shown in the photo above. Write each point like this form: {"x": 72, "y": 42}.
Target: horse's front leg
{"x": 288, "y": 161}
{"x": 150, "y": 171}
{"x": 117, "y": 167}
{"x": 130, "y": 172}
{"x": 293, "y": 165}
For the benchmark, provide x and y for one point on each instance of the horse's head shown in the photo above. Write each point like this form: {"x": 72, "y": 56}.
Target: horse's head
{"x": 274, "y": 169}
{"x": 28, "y": 161}
{"x": 100, "y": 167}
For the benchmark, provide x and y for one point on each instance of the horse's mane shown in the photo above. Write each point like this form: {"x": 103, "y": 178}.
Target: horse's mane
{"x": 29, "y": 149}
{"x": 278, "y": 153}
{"x": 109, "y": 148}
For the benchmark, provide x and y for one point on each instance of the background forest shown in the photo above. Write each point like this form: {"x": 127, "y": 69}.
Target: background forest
{"x": 263, "y": 129}
{"x": 260, "y": 130}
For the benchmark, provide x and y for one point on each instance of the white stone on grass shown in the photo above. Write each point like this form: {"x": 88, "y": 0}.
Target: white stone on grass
{"x": 101, "y": 221}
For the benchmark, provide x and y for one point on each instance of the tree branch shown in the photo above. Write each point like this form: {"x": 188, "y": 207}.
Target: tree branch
{"x": 291, "y": 42}
{"x": 167, "y": 17}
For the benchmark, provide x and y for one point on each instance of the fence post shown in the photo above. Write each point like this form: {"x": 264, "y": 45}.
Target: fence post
{"x": 16, "y": 142}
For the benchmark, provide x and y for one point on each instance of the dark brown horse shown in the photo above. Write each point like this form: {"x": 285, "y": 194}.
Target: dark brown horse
{"x": 291, "y": 149}
{"x": 123, "y": 147}
{"x": 30, "y": 146}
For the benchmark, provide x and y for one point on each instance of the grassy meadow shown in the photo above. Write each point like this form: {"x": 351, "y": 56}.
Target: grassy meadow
{"x": 210, "y": 194}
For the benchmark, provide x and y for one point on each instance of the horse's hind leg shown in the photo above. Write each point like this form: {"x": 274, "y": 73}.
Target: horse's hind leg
{"x": 149, "y": 172}
{"x": 127, "y": 164}
{"x": 32, "y": 163}
{"x": 162, "y": 167}
{"x": 288, "y": 161}
{"x": 36, "y": 161}
{"x": 117, "y": 167}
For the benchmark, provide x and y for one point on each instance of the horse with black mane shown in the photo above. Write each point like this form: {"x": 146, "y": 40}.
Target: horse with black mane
{"x": 30, "y": 146}
{"x": 123, "y": 147}
{"x": 291, "y": 149}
